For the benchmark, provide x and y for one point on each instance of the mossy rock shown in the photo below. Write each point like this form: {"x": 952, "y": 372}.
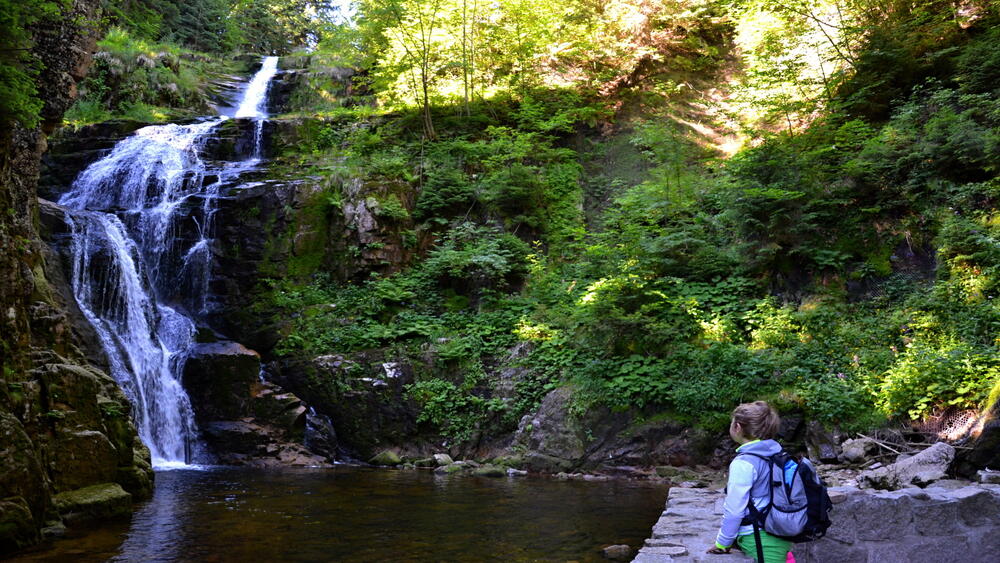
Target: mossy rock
{"x": 490, "y": 471}
{"x": 387, "y": 457}
{"x": 17, "y": 527}
{"x": 97, "y": 502}
{"x": 443, "y": 459}
{"x": 136, "y": 480}
{"x": 675, "y": 473}
{"x": 514, "y": 461}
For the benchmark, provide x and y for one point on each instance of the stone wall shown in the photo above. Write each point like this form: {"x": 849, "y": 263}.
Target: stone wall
{"x": 953, "y": 522}
{"x": 914, "y": 525}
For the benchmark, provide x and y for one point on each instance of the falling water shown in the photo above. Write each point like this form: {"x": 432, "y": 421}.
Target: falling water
{"x": 254, "y": 99}
{"x": 124, "y": 212}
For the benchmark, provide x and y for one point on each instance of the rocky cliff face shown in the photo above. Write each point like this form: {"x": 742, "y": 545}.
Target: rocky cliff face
{"x": 64, "y": 424}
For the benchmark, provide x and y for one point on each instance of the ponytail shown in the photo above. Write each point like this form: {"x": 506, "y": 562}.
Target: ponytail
{"x": 758, "y": 420}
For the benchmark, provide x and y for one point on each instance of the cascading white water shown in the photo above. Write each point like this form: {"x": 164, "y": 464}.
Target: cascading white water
{"x": 124, "y": 212}
{"x": 253, "y": 104}
{"x": 255, "y": 94}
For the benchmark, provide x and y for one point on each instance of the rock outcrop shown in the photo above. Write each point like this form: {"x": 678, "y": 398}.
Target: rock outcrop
{"x": 244, "y": 419}
{"x": 918, "y": 470}
{"x": 64, "y": 424}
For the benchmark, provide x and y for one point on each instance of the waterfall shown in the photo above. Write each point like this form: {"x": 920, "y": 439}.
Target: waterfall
{"x": 253, "y": 104}
{"x": 125, "y": 212}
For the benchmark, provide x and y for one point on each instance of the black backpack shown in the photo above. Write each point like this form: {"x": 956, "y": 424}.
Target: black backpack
{"x": 801, "y": 511}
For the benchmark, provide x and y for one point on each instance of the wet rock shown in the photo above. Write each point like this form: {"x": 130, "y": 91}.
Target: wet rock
{"x": 443, "y": 459}
{"x": 136, "y": 480}
{"x": 386, "y": 457}
{"x": 321, "y": 436}
{"x": 82, "y": 458}
{"x": 922, "y": 469}
{"x": 22, "y": 476}
{"x": 218, "y": 377}
{"x": 989, "y": 477}
{"x": 42, "y": 409}
{"x": 54, "y": 529}
{"x": 97, "y": 502}
{"x": 618, "y": 552}
{"x": 452, "y": 468}
{"x": 541, "y": 463}
{"x": 296, "y": 456}
{"x": 367, "y": 418}
{"x": 17, "y": 527}
{"x": 71, "y": 151}
{"x": 236, "y": 437}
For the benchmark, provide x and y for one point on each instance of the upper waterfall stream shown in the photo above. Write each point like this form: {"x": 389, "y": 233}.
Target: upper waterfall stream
{"x": 124, "y": 211}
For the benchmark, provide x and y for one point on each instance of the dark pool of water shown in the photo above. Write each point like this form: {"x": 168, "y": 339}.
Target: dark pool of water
{"x": 355, "y": 514}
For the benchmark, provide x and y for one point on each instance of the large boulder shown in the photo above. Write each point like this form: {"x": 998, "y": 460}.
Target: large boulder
{"x": 17, "y": 527}
{"x": 920, "y": 470}
{"x": 364, "y": 396}
{"x": 236, "y": 437}
{"x": 96, "y": 502}
{"x": 83, "y": 458}
{"x": 553, "y": 438}
{"x": 821, "y": 443}
{"x": 218, "y": 377}
{"x": 386, "y": 457}
{"x": 23, "y": 483}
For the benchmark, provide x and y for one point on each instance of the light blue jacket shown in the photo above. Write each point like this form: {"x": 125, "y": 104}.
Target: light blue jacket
{"x": 744, "y": 484}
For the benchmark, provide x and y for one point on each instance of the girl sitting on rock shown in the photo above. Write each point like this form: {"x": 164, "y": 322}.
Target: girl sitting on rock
{"x": 754, "y": 427}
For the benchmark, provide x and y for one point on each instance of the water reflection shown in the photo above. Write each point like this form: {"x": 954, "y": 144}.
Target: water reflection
{"x": 352, "y": 514}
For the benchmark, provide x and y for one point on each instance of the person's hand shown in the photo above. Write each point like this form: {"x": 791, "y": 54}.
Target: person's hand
{"x": 718, "y": 551}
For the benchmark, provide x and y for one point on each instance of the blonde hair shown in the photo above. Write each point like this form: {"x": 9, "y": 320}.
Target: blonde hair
{"x": 758, "y": 420}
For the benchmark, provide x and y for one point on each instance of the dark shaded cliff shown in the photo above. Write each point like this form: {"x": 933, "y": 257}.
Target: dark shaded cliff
{"x": 68, "y": 448}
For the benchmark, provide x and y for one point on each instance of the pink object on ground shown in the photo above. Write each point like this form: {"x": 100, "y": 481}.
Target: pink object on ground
{"x": 789, "y": 558}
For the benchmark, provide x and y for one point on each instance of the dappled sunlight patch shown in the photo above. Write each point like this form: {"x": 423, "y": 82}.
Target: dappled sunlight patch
{"x": 526, "y": 330}
{"x": 718, "y": 329}
{"x": 772, "y": 326}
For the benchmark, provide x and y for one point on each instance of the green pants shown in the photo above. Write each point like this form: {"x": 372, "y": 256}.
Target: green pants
{"x": 775, "y": 549}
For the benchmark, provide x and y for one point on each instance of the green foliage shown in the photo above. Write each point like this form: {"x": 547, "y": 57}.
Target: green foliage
{"x": 926, "y": 377}
{"x": 455, "y": 411}
{"x": 220, "y": 26}
{"x": 18, "y": 65}
{"x": 843, "y": 264}
{"x": 136, "y": 78}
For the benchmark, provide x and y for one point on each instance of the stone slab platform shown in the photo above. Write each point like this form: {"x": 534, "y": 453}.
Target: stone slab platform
{"x": 950, "y": 521}
{"x": 687, "y": 528}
